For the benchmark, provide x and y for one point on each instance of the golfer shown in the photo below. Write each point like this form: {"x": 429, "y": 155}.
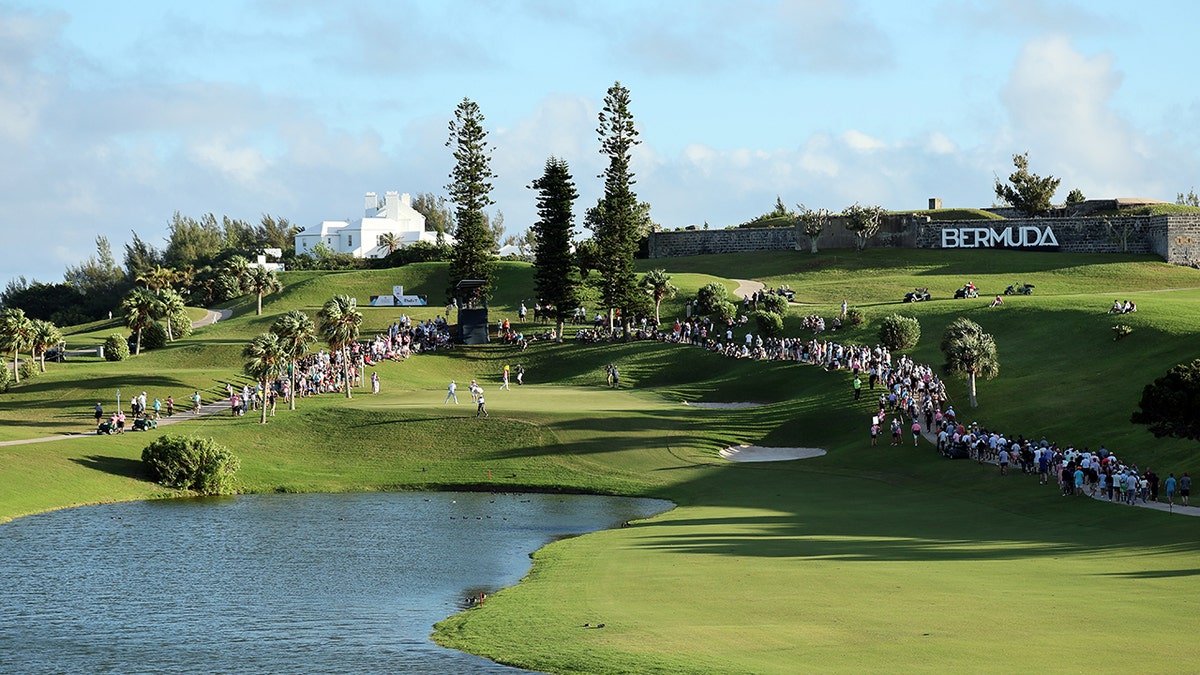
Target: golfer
{"x": 451, "y": 393}
{"x": 481, "y": 410}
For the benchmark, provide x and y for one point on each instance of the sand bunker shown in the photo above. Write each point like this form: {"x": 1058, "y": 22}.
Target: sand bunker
{"x": 756, "y": 453}
{"x": 733, "y": 404}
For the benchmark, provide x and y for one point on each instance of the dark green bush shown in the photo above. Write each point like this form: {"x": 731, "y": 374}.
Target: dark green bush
{"x": 710, "y": 297}
{"x": 191, "y": 463}
{"x": 181, "y": 325}
{"x": 154, "y": 336}
{"x": 776, "y": 304}
{"x": 725, "y": 312}
{"x": 770, "y": 324}
{"x": 5, "y": 378}
{"x": 116, "y": 348}
{"x": 898, "y": 333}
{"x": 1168, "y": 406}
{"x": 29, "y": 369}
{"x": 1121, "y": 330}
{"x": 854, "y": 317}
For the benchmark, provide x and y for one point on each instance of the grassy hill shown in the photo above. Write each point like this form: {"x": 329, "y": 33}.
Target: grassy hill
{"x": 865, "y": 559}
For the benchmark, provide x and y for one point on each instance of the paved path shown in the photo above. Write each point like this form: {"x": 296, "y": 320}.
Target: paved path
{"x": 205, "y": 410}
{"x": 747, "y": 287}
{"x": 212, "y": 316}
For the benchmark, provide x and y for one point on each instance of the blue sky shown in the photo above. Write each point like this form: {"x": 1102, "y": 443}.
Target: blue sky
{"x": 115, "y": 115}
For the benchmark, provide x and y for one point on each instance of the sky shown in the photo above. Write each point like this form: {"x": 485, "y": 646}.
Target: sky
{"x": 115, "y": 115}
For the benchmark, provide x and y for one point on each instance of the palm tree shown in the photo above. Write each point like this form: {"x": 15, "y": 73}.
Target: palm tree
{"x": 971, "y": 352}
{"x": 267, "y": 361}
{"x": 339, "y": 321}
{"x": 16, "y": 333}
{"x": 158, "y": 278}
{"x": 261, "y": 281}
{"x": 43, "y": 336}
{"x": 297, "y": 333}
{"x": 391, "y": 241}
{"x": 141, "y": 308}
{"x": 658, "y": 284}
{"x": 170, "y": 306}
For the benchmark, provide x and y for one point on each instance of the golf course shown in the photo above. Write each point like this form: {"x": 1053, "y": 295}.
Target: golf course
{"x": 861, "y": 559}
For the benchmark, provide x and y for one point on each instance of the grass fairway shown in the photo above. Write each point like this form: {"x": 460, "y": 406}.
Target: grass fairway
{"x": 864, "y": 559}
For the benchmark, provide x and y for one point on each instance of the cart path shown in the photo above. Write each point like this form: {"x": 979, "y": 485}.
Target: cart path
{"x": 212, "y": 316}
{"x": 181, "y": 415}
{"x": 747, "y": 287}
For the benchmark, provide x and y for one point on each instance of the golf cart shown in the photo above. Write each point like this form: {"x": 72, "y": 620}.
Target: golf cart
{"x": 917, "y": 295}
{"x": 1019, "y": 289}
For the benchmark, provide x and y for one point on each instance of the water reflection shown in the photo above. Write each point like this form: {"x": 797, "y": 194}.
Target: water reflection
{"x": 273, "y": 583}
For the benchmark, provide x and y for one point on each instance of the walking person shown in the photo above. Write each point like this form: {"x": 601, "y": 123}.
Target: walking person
{"x": 481, "y": 410}
{"x": 1169, "y": 486}
{"x": 1185, "y": 488}
{"x": 196, "y": 403}
{"x": 374, "y": 382}
{"x": 170, "y": 406}
{"x": 504, "y": 381}
{"x": 857, "y": 387}
{"x": 99, "y": 413}
{"x": 452, "y": 393}
{"x": 520, "y": 374}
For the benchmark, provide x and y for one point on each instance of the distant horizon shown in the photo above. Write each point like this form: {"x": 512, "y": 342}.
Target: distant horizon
{"x": 114, "y": 116}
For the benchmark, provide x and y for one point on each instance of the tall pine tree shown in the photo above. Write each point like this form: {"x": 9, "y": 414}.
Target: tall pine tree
{"x": 469, "y": 188}
{"x": 616, "y": 214}
{"x": 555, "y": 273}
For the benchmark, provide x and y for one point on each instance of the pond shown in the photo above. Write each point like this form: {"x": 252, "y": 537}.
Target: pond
{"x": 311, "y": 583}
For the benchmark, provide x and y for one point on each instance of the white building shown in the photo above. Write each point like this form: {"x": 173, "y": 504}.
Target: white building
{"x": 364, "y": 238}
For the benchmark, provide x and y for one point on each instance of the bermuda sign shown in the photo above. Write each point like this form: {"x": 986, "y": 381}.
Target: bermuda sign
{"x": 1026, "y": 236}
{"x": 399, "y": 299}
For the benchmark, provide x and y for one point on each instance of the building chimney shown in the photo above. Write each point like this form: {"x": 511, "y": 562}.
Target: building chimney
{"x": 391, "y": 203}
{"x": 935, "y": 203}
{"x": 406, "y": 200}
{"x": 371, "y": 204}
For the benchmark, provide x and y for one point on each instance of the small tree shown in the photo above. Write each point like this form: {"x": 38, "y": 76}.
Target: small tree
{"x": 711, "y": 297}
{"x": 1170, "y": 405}
{"x": 297, "y": 333}
{"x": 1190, "y": 199}
{"x": 1028, "y": 193}
{"x": 141, "y": 308}
{"x": 854, "y": 316}
{"x": 16, "y": 334}
{"x": 658, "y": 284}
{"x": 170, "y": 306}
{"x": 267, "y": 359}
{"x": 190, "y": 463}
{"x": 864, "y": 222}
{"x": 812, "y": 222}
{"x": 774, "y": 303}
{"x": 339, "y": 321}
{"x": 970, "y": 352}
{"x": 556, "y": 275}
{"x": 769, "y": 324}
{"x": 898, "y": 333}
{"x": 261, "y": 281}
{"x": 116, "y": 348}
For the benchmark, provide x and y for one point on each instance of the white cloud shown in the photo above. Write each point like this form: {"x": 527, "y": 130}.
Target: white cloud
{"x": 857, "y": 140}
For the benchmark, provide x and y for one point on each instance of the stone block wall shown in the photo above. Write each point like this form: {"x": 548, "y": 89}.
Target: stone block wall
{"x": 1175, "y": 237}
{"x": 703, "y": 242}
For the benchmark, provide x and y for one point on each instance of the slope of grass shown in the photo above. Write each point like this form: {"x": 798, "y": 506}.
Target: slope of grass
{"x": 864, "y": 559}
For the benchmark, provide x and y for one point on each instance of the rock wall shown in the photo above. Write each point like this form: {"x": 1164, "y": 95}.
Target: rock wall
{"x": 1175, "y": 238}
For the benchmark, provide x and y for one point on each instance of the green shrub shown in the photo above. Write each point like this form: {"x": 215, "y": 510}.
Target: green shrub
{"x": 776, "y": 304}
{"x": 29, "y": 368}
{"x": 1168, "y": 405}
{"x": 154, "y": 336}
{"x": 1121, "y": 330}
{"x": 725, "y": 312}
{"x": 770, "y": 324}
{"x": 898, "y": 333}
{"x": 5, "y": 378}
{"x": 854, "y": 317}
{"x": 710, "y": 297}
{"x": 116, "y": 348}
{"x": 191, "y": 463}
{"x": 181, "y": 325}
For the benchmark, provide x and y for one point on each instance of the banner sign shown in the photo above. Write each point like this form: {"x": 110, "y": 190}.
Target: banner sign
{"x": 1027, "y": 236}
{"x": 399, "y": 299}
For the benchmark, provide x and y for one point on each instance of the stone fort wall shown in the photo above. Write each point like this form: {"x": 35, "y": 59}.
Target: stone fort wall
{"x": 1175, "y": 237}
